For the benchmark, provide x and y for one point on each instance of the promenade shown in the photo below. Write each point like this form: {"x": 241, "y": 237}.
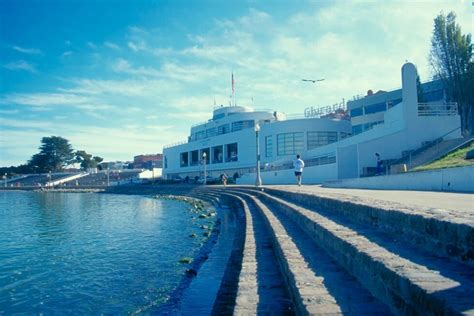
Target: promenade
{"x": 347, "y": 251}
{"x": 460, "y": 205}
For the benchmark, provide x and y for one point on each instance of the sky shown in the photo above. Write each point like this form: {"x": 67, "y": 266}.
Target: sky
{"x": 121, "y": 78}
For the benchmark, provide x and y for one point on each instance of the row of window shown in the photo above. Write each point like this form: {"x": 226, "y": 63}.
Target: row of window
{"x": 213, "y": 155}
{"x": 293, "y": 143}
{"x": 357, "y": 129}
{"x": 222, "y": 129}
{"x": 429, "y": 96}
{"x": 374, "y": 108}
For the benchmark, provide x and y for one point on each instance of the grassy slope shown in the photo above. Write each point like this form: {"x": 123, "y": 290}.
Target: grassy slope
{"x": 454, "y": 159}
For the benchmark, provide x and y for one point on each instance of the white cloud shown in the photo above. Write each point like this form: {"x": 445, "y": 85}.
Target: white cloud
{"x": 30, "y": 51}
{"x": 91, "y": 45}
{"x": 67, "y": 53}
{"x": 124, "y": 66}
{"x": 21, "y": 65}
{"x": 111, "y": 45}
{"x": 44, "y": 99}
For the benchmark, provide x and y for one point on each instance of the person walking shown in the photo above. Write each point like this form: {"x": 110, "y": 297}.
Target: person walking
{"x": 224, "y": 179}
{"x": 299, "y": 165}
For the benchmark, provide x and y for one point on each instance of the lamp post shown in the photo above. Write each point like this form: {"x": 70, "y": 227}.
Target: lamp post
{"x": 258, "y": 180}
{"x": 5, "y": 177}
{"x": 204, "y": 155}
{"x": 153, "y": 171}
{"x": 108, "y": 182}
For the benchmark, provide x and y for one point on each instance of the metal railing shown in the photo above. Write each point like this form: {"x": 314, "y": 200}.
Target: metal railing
{"x": 438, "y": 109}
{"x": 175, "y": 144}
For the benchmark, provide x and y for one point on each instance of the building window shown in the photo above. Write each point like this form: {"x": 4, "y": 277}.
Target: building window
{"x": 194, "y": 158}
{"x": 184, "y": 159}
{"x": 231, "y": 152}
{"x": 357, "y": 129}
{"x": 375, "y": 108}
{"x": 223, "y": 129}
{"x": 166, "y": 162}
{"x": 289, "y": 143}
{"x": 218, "y": 116}
{"x": 200, "y": 135}
{"x": 432, "y": 96}
{"x": 317, "y": 139}
{"x": 357, "y": 112}
{"x": 217, "y": 154}
{"x": 240, "y": 125}
{"x": 211, "y": 132}
{"x": 343, "y": 135}
{"x": 268, "y": 146}
{"x": 391, "y": 104}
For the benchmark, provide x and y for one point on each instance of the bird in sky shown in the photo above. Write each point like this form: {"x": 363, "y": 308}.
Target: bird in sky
{"x": 311, "y": 80}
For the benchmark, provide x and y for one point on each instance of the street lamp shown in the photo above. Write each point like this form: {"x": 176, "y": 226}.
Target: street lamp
{"x": 258, "y": 180}
{"x": 5, "y": 177}
{"x": 108, "y": 179}
{"x": 204, "y": 155}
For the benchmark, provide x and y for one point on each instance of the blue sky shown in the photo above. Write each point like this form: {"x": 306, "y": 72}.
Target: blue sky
{"x": 122, "y": 78}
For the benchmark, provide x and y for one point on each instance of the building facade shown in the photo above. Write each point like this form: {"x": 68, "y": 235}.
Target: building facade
{"x": 388, "y": 123}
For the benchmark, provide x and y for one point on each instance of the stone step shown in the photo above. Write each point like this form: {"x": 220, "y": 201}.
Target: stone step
{"x": 442, "y": 232}
{"x": 261, "y": 287}
{"x": 408, "y": 287}
{"x": 308, "y": 292}
{"x": 349, "y": 294}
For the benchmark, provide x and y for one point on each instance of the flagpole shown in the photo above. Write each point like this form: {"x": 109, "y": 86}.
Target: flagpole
{"x": 233, "y": 88}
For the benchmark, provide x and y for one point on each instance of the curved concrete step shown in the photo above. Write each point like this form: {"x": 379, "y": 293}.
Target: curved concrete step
{"x": 348, "y": 293}
{"x": 446, "y": 233}
{"x": 308, "y": 292}
{"x": 261, "y": 288}
{"x": 407, "y": 287}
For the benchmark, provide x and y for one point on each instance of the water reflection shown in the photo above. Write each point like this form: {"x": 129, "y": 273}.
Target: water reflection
{"x": 64, "y": 252}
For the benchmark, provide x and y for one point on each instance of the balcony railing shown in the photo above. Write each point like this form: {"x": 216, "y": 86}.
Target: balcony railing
{"x": 437, "y": 109}
{"x": 175, "y": 144}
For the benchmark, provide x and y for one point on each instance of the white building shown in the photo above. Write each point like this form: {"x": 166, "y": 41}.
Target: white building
{"x": 228, "y": 139}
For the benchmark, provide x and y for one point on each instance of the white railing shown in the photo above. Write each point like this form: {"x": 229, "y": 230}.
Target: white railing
{"x": 175, "y": 144}
{"x": 437, "y": 109}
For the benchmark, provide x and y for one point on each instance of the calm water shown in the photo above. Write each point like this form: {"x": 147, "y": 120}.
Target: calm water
{"x": 86, "y": 253}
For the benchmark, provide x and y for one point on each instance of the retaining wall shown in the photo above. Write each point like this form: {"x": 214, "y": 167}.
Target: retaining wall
{"x": 460, "y": 179}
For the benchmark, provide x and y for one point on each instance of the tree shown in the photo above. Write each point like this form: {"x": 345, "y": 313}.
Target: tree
{"x": 55, "y": 153}
{"x": 86, "y": 160}
{"x": 452, "y": 61}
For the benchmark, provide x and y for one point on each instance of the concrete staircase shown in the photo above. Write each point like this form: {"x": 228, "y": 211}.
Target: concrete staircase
{"x": 305, "y": 254}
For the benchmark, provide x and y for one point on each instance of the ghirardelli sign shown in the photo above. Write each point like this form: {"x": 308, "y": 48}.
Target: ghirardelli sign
{"x": 313, "y": 111}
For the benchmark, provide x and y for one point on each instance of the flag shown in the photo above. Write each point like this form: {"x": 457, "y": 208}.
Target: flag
{"x": 233, "y": 83}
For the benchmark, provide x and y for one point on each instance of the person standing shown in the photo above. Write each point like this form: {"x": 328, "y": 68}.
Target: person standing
{"x": 378, "y": 170}
{"x": 299, "y": 165}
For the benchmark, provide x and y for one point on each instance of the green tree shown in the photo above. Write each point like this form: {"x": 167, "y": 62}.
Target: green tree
{"x": 452, "y": 61}
{"x": 86, "y": 160}
{"x": 55, "y": 153}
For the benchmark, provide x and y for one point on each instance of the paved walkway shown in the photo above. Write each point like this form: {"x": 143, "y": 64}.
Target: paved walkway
{"x": 462, "y": 202}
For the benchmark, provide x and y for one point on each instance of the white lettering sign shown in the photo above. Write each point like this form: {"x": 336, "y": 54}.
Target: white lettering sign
{"x": 312, "y": 111}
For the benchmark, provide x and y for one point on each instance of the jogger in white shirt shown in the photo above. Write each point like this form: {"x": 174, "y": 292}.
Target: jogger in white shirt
{"x": 299, "y": 165}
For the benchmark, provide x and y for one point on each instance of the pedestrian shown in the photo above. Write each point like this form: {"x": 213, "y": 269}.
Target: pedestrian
{"x": 378, "y": 170}
{"x": 299, "y": 165}
{"x": 224, "y": 179}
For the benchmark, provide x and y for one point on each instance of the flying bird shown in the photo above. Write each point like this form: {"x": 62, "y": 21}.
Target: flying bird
{"x": 311, "y": 80}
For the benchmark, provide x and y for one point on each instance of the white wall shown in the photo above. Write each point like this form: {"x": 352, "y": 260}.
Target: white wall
{"x": 459, "y": 179}
{"x": 311, "y": 175}
{"x": 347, "y": 162}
